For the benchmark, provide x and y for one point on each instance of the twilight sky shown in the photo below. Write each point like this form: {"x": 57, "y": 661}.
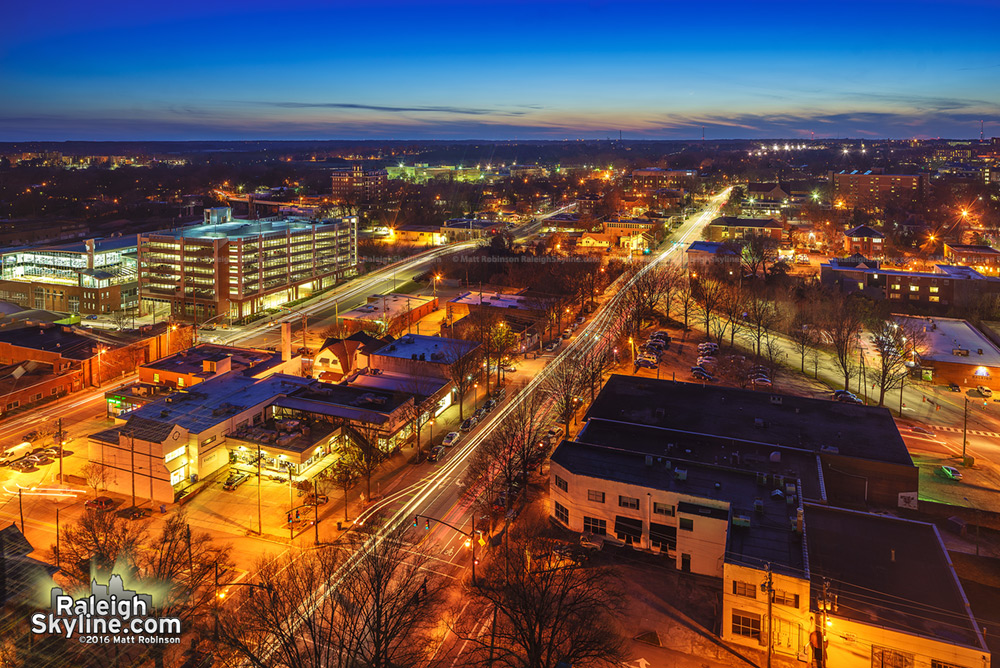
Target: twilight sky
{"x": 384, "y": 69}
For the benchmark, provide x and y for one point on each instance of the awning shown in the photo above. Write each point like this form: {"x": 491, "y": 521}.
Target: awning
{"x": 628, "y": 527}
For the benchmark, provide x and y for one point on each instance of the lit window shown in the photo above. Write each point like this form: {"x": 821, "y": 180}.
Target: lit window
{"x": 934, "y": 289}
{"x": 173, "y": 455}
{"x": 914, "y": 288}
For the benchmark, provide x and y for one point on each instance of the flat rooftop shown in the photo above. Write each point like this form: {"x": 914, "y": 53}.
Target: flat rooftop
{"x": 495, "y": 299}
{"x": 191, "y": 361}
{"x": 344, "y": 401}
{"x": 427, "y": 348}
{"x": 56, "y": 339}
{"x": 209, "y": 403}
{"x": 865, "y": 432}
{"x": 943, "y": 336}
{"x": 973, "y": 248}
{"x": 240, "y": 228}
{"x": 679, "y": 446}
{"x": 386, "y": 307}
{"x": 420, "y": 386}
{"x": 770, "y": 537}
{"x": 889, "y": 572}
{"x": 292, "y": 435}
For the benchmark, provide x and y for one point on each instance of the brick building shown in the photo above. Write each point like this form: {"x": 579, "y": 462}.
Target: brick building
{"x": 358, "y": 185}
{"x": 873, "y": 189}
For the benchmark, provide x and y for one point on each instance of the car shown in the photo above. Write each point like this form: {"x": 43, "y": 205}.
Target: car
{"x": 653, "y": 346}
{"x": 499, "y": 394}
{"x": 984, "y": 391}
{"x": 849, "y": 399}
{"x": 480, "y": 413}
{"x": 708, "y": 344}
{"x": 839, "y": 393}
{"x": 661, "y": 335}
{"x": 451, "y": 438}
{"x": 580, "y": 319}
{"x": 436, "y": 453}
{"x": 702, "y": 375}
{"x": 950, "y": 473}
{"x": 207, "y": 328}
{"x": 490, "y": 405}
{"x": 954, "y": 387}
{"x": 762, "y": 382}
{"x": 699, "y": 368}
{"x": 32, "y": 436}
{"x": 508, "y": 368}
{"x": 468, "y": 424}
{"x": 100, "y": 504}
{"x": 706, "y": 359}
{"x": 235, "y": 480}
{"x": 589, "y": 541}
{"x": 921, "y": 430}
{"x": 552, "y": 347}
{"x": 645, "y": 363}
{"x": 91, "y": 317}
{"x": 566, "y": 333}
{"x": 133, "y": 513}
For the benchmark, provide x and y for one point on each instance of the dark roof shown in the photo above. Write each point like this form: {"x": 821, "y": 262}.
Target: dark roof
{"x": 141, "y": 428}
{"x": 770, "y": 537}
{"x": 864, "y": 231}
{"x": 865, "y": 432}
{"x": 57, "y": 339}
{"x": 734, "y": 221}
{"x": 973, "y": 248}
{"x": 744, "y": 453}
{"x": 24, "y": 577}
{"x": 899, "y": 575}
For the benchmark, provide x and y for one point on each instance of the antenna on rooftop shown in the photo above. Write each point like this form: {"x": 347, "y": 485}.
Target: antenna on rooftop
{"x": 980, "y": 132}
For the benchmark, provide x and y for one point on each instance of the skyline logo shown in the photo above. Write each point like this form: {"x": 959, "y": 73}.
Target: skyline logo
{"x": 110, "y": 614}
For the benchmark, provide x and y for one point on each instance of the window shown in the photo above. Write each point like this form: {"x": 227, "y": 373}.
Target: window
{"x": 890, "y": 658}
{"x": 747, "y": 624}
{"x": 156, "y": 378}
{"x": 943, "y": 664}
{"x": 934, "y": 298}
{"x": 934, "y": 289}
{"x": 561, "y": 484}
{"x": 562, "y": 514}
{"x": 663, "y": 509}
{"x": 744, "y": 589}
{"x": 595, "y": 496}
{"x": 895, "y": 286}
{"x": 785, "y": 598}
{"x": 170, "y": 456}
{"x": 914, "y": 288}
{"x": 686, "y": 524}
{"x": 209, "y": 440}
{"x": 628, "y": 502}
{"x": 595, "y": 526}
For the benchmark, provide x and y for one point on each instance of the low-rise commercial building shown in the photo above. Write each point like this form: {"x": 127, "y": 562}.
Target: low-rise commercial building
{"x": 953, "y": 351}
{"x": 984, "y": 259}
{"x": 729, "y": 228}
{"x": 390, "y": 313}
{"x": 946, "y": 287}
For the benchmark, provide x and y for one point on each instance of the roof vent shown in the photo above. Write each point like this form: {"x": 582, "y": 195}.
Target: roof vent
{"x": 759, "y": 423}
{"x": 680, "y": 474}
{"x": 775, "y": 457}
{"x": 649, "y": 460}
{"x": 776, "y": 399}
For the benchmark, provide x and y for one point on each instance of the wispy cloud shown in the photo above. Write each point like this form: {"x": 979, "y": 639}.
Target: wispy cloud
{"x": 467, "y": 111}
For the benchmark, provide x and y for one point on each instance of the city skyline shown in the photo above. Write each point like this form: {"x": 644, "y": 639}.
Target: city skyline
{"x": 512, "y": 70}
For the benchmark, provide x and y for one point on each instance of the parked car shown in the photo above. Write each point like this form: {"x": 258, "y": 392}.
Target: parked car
{"x": 645, "y": 363}
{"x": 950, "y": 473}
{"x": 235, "y": 480}
{"x": 436, "y": 453}
{"x": 984, "y": 391}
{"x": 32, "y": 436}
{"x": 480, "y": 413}
{"x": 468, "y": 424}
{"x": 839, "y": 393}
{"x": 552, "y": 347}
{"x": 499, "y": 394}
{"x": 849, "y": 399}
{"x": 589, "y": 541}
{"x": 451, "y": 438}
{"x": 706, "y": 359}
{"x": 580, "y": 319}
{"x": 699, "y": 368}
{"x": 566, "y": 333}
{"x": 954, "y": 387}
{"x": 91, "y": 317}
{"x": 703, "y": 375}
{"x": 507, "y": 367}
{"x": 133, "y": 513}
{"x": 660, "y": 335}
{"x": 490, "y": 405}
{"x": 101, "y": 503}
{"x": 762, "y": 382}
{"x": 708, "y": 345}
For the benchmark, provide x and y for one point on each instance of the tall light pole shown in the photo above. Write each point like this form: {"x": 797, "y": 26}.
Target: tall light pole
{"x": 965, "y": 429}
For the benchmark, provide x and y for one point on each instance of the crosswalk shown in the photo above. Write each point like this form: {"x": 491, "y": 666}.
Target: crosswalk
{"x": 977, "y": 432}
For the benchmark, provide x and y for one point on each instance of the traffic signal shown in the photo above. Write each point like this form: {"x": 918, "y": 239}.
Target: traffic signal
{"x": 427, "y": 525}
{"x": 415, "y": 520}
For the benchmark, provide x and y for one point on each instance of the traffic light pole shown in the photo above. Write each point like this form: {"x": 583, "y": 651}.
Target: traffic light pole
{"x": 471, "y": 535}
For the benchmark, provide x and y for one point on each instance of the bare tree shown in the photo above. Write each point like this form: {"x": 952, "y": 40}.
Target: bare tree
{"x": 733, "y": 312}
{"x": 709, "y": 294}
{"x": 463, "y": 371}
{"x": 98, "y": 476}
{"x": 763, "y": 317}
{"x": 363, "y": 450}
{"x": 894, "y": 343}
{"x": 685, "y": 297}
{"x": 758, "y": 253}
{"x": 377, "y": 614}
{"x": 418, "y": 412}
{"x": 545, "y": 612}
{"x": 842, "y": 321}
{"x": 563, "y": 384}
{"x": 120, "y": 320}
{"x": 803, "y": 336}
{"x": 97, "y": 543}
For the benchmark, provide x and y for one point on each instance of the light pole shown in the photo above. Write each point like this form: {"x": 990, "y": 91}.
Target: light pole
{"x": 965, "y": 429}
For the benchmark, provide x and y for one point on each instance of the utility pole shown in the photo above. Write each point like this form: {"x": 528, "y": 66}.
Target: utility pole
{"x": 965, "y": 429}
{"x": 260, "y": 522}
{"x": 131, "y": 439}
{"x": 768, "y": 589}
{"x": 59, "y": 438}
{"x": 822, "y": 634}
{"x": 57, "y": 537}
{"x": 20, "y": 507}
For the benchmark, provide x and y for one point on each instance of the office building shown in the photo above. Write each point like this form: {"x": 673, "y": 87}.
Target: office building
{"x": 653, "y": 178}
{"x": 938, "y": 291}
{"x": 238, "y": 268}
{"x": 358, "y": 185}
{"x": 87, "y": 277}
{"x": 729, "y": 228}
{"x": 874, "y": 189}
{"x": 984, "y": 259}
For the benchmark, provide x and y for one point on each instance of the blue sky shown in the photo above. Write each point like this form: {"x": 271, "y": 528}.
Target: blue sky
{"x": 111, "y": 69}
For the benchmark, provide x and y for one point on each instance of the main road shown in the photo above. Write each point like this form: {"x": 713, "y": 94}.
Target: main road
{"x": 438, "y": 494}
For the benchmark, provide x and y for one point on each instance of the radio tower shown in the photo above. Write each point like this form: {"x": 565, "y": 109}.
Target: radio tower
{"x": 980, "y": 132}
